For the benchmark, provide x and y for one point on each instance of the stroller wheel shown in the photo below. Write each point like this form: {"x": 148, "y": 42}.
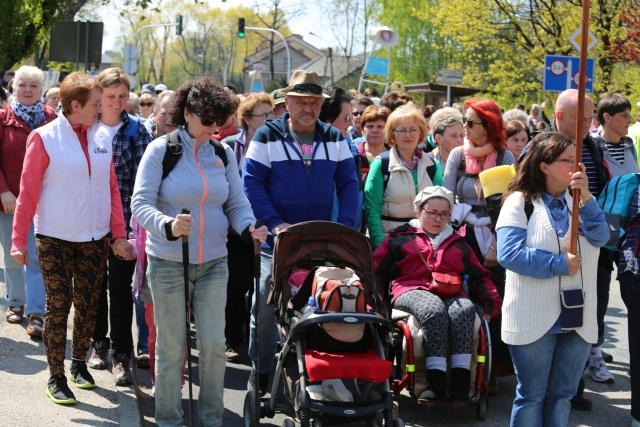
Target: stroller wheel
{"x": 316, "y": 423}
{"x": 251, "y": 418}
{"x": 373, "y": 422}
{"x": 288, "y": 422}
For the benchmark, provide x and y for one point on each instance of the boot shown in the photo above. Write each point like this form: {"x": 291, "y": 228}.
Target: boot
{"x": 436, "y": 390}
{"x": 460, "y": 381}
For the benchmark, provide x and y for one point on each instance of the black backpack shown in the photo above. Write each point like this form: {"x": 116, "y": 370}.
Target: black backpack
{"x": 174, "y": 151}
{"x": 384, "y": 165}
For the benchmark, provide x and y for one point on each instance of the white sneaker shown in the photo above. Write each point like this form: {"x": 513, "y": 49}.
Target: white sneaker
{"x": 598, "y": 371}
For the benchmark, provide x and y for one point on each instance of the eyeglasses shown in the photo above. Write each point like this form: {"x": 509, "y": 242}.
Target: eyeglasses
{"x": 403, "y": 132}
{"x": 435, "y": 214}
{"x": 209, "y": 121}
{"x": 570, "y": 162}
{"x": 471, "y": 123}
{"x": 307, "y": 88}
{"x": 346, "y": 118}
{"x": 357, "y": 113}
{"x": 146, "y": 104}
{"x": 263, "y": 115}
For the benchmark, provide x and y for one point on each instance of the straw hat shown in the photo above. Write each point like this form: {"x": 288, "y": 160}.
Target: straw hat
{"x": 305, "y": 83}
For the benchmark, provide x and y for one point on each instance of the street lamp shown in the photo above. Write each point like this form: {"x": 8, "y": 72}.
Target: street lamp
{"x": 330, "y": 51}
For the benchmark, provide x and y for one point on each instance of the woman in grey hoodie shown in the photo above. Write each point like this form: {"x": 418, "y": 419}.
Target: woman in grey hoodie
{"x": 211, "y": 189}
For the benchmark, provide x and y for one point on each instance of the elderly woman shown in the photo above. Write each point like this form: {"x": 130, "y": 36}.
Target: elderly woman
{"x": 52, "y": 98}
{"x": 24, "y": 114}
{"x": 389, "y": 194}
{"x": 252, "y": 112}
{"x": 69, "y": 185}
{"x": 447, "y": 320}
{"x": 212, "y": 190}
{"x": 447, "y": 131}
{"x": 549, "y": 343}
{"x": 517, "y": 137}
{"x": 373, "y": 121}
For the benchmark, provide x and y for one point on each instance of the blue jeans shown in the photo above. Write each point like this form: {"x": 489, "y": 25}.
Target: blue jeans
{"x": 22, "y": 289}
{"x": 208, "y": 290}
{"x": 548, "y": 372}
{"x": 268, "y": 330}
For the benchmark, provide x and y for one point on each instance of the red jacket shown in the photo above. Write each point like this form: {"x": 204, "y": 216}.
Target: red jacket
{"x": 13, "y": 146}
{"x": 398, "y": 267}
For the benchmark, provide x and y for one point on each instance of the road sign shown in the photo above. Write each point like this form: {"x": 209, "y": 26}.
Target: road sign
{"x": 130, "y": 66}
{"x": 450, "y": 74}
{"x": 561, "y": 73}
{"x": 130, "y": 51}
{"x": 448, "y": 80}
{"x": 134, "y": 81}
{"x": 576, "y": 37}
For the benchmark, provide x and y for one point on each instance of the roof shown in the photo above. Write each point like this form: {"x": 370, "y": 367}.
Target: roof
{"x": 433, "y": 88}
{"x": 342, "y": 67}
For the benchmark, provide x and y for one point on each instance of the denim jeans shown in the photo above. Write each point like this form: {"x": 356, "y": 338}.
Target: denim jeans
{"x": 208, "y": 292}
{"x": 268, "y": 330}
{"x": 22, "y": 289}
{"x": 548, "y": 372}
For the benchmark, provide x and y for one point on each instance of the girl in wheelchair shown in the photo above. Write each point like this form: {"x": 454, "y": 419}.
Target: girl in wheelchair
{"x": 420, "y": 266}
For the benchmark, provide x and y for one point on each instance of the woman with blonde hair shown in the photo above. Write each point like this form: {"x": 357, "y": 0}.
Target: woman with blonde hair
{"x": 396, "y": 176}
{"x": 24, "y": 113}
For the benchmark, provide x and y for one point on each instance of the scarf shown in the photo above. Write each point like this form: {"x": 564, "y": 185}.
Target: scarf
{"x": 472, "y": 156}
{"x": 417, "y": 155}
{"x": 32, "y": 115}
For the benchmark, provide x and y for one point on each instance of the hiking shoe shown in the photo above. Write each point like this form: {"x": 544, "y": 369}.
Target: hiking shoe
{"x": 81, "y": 376}
{"x": 264, "y": 382}
{"x": 58, "y": 390}
{"x": 99, "y": 351}
{"x": 598, "y": 371}
{"x": 232, "y": 354}
{"x": 34, "y": 327}
{"x": 122, "y": 369}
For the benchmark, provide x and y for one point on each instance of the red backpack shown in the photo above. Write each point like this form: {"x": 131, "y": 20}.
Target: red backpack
{"x": 338, "y": 290}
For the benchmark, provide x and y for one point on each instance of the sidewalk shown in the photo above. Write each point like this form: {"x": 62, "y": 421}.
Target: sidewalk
{"x": 23, "y": 379}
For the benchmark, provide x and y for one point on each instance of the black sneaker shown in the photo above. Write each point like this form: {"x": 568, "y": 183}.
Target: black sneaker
{"x": 58, "y": 390}
{"x": 264, "y": 382}
{"x": 81, "y": 376}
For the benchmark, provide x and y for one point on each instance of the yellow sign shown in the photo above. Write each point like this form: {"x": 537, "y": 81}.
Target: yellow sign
{"x": 576, "y": 38}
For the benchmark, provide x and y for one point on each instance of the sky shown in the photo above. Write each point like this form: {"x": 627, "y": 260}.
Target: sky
{"x": 298, "y": 25}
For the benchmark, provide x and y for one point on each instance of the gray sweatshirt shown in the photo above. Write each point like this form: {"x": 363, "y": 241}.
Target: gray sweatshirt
{"x": 199, "y": 182}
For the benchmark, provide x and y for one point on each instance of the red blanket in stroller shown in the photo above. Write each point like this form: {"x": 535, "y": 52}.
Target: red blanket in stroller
{"x": 362, "y": 366}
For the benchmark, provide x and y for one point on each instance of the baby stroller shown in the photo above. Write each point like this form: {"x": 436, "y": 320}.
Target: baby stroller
{"x": 407, "y": 341}
{"x": 310, "y": 362}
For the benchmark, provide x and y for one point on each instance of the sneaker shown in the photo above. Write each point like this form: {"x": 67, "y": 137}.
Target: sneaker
{"x": 264, "y": 382}
{"x": 81, "y": 376}
{"x": 607, "y": 357}
{"x": 58, "y": 390}
{"x": 122, "y": 369}
{"x": 143, "y": 360}
{"x": 581, "y": 403}
{"x": 99, "y": 351}
{"x": 34, "y": 327}
{"x": 232, "y": 354}
{"x": 598, "y": 371}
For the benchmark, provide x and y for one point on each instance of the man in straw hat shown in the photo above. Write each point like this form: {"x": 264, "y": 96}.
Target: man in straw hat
{"x": 291, "y": 170}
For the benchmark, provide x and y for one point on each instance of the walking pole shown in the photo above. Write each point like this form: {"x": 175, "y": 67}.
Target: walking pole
{"x": 185, "y": 264}
{"x": 257, "y": 249}
{"x": 582, "y": 83}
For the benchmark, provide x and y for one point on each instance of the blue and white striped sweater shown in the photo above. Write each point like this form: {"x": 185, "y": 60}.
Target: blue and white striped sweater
{"x": 281, "y": 189}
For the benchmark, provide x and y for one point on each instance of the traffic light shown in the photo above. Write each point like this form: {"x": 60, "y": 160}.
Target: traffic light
{"x": 241, "y": 28}
{"x": 179, "y": 27}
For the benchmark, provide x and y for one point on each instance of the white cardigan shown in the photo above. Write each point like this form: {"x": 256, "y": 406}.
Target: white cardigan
{"x": 531, "y": 306}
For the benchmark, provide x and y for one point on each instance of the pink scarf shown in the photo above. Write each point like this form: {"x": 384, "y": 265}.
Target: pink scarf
{"x": 472, "y": 156}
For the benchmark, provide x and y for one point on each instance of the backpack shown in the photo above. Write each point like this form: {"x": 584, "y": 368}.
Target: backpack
{"x": 174, "y": 151}
{"x": 337, "y": 290}
{"x": 615, "y": 201}
{"x": 384, "y": 165}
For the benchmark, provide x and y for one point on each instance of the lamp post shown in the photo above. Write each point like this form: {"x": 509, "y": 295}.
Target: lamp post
{"x": 330, "y": 58}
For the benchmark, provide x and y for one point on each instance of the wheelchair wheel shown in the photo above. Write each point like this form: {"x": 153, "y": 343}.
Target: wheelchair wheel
{"x": 481, "y": 408}
{"x": 251, "y": 419}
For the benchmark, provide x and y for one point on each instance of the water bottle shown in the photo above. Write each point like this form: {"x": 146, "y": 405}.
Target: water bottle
{"x": 311, "y": 305}
{"x": 465, "y": 283}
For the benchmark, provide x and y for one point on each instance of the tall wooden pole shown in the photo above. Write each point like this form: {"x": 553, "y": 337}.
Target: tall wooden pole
{"x": 582, "y": 83}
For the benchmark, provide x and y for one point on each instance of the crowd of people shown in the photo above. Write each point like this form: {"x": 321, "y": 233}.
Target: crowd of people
{"x": 94, "y": 180}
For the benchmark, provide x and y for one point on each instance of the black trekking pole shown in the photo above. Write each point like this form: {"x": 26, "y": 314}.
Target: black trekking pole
{"x": 257, "y": 250}
{"x": 185, "y": 264}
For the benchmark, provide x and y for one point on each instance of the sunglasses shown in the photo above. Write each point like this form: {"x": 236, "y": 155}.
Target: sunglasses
{"x": 146, "y": 104}
{"x": 471, "y": 123}
{"x": 357, "y": 113}
{"x": 307, "y": 88}
{"x": 209, "y": 121}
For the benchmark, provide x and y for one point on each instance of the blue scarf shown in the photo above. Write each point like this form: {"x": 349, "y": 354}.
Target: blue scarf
{"x": 32, "y": 115}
